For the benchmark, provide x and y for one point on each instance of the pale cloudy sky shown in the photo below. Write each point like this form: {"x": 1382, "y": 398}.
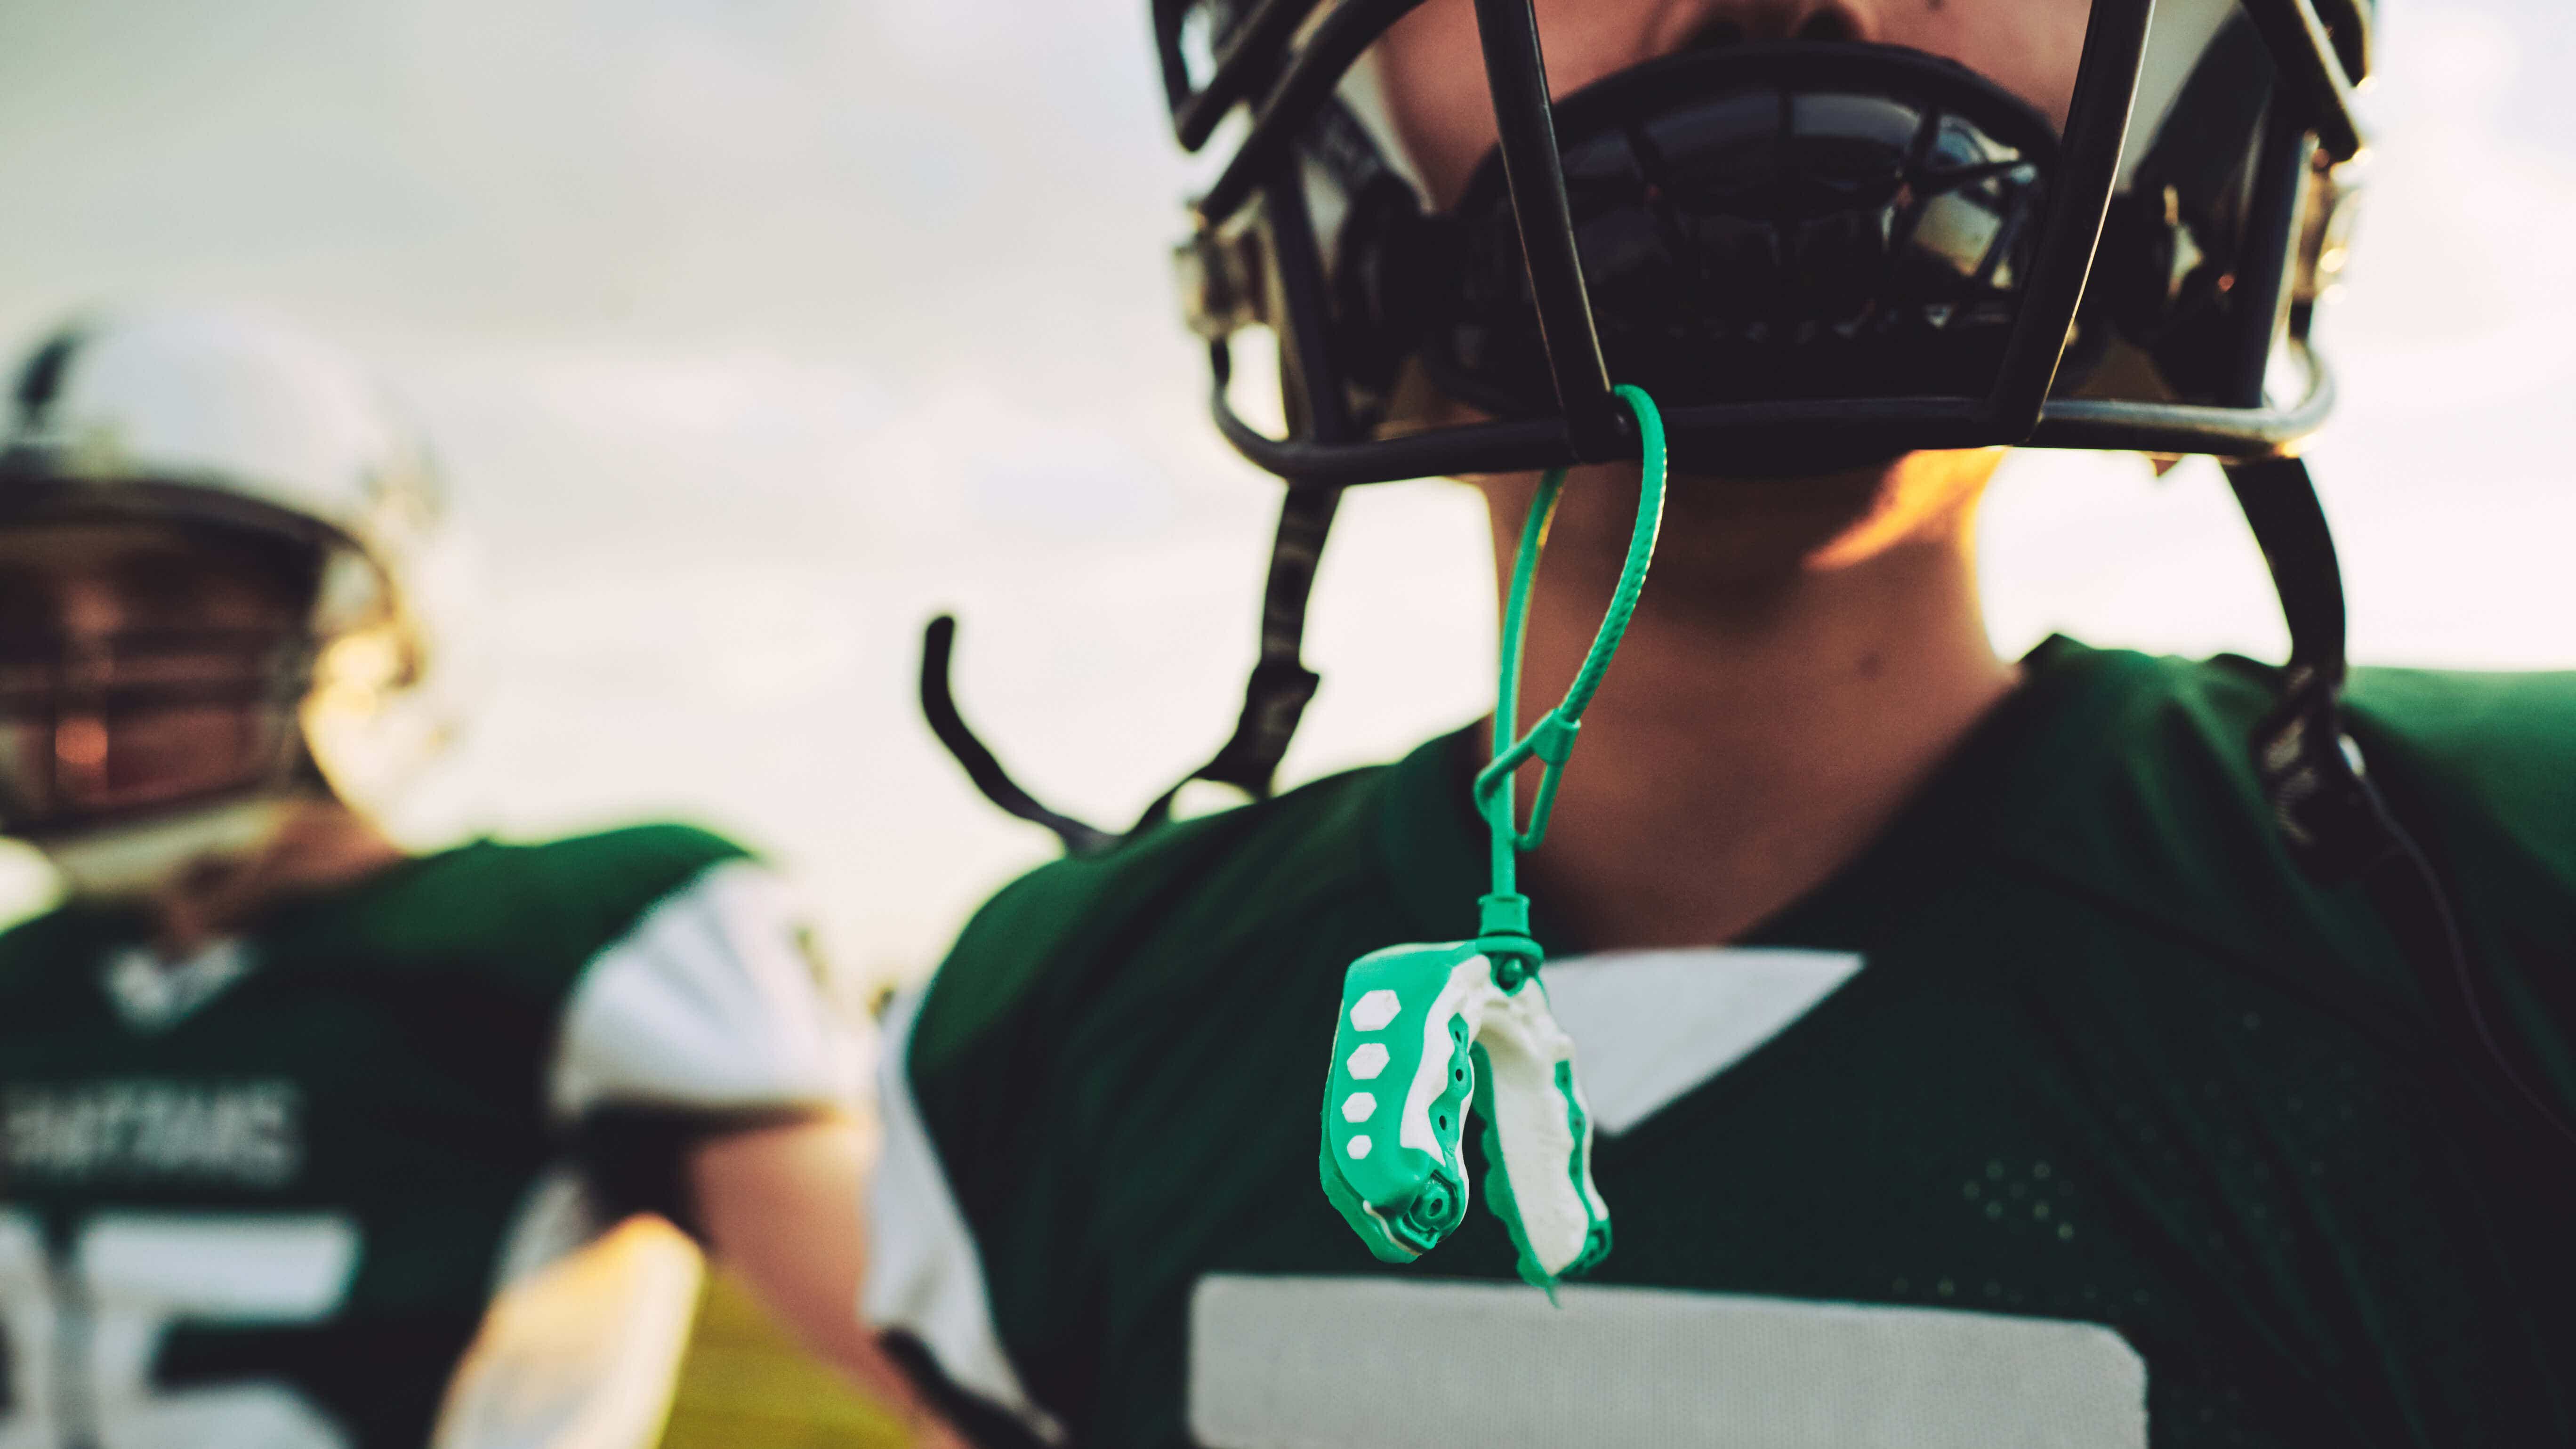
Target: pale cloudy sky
{"x": 754, "y": 330}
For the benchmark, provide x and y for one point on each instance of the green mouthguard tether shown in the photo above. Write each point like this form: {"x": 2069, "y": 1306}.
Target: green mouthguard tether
{"x": 1425, "y": 1029}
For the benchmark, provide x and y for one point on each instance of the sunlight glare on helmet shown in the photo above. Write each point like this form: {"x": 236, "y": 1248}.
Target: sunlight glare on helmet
{"x": 1254, "y": 388}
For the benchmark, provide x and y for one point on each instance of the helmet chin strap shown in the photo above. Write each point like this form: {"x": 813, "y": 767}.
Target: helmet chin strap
{"x": 2334, "y": 820}
{"x": 132, "y": 860}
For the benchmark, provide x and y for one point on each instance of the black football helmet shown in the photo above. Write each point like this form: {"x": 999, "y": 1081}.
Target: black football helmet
{"x": 1812, "y": 254}
{"x": 1809, "y": 253}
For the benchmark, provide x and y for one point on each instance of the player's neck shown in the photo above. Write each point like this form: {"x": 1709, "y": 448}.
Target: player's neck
{"x": 321, "y": 846}
{"x": 1746, "y": 747}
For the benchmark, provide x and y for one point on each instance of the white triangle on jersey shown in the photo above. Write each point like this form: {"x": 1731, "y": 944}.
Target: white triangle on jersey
{"x": 1651, "y": 1026}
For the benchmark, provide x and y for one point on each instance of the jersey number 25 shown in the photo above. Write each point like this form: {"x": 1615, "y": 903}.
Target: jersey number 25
{"x": 82, "y": 1331}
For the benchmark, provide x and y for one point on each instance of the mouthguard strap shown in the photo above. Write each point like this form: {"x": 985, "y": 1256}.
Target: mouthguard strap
{"x": 1505, "y": 920}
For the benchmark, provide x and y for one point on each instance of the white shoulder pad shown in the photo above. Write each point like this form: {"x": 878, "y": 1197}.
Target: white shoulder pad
{"x": 709, "y": 1004}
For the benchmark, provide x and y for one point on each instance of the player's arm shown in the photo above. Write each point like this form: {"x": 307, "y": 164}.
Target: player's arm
{"x": 714, "y": 1080}
{"x": 780, "y": 1206}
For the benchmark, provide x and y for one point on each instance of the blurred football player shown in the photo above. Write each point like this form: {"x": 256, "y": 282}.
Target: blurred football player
{"x": 285, "y": 1108}
{"x": 2085, "y": 1048}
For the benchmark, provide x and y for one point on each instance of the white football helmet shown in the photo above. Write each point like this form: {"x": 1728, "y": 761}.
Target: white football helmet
{"x": 229, "y": 422}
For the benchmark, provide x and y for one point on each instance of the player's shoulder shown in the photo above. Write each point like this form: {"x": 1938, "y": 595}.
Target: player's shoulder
{"x": 2111, "y": 732}
{"x": 2493, "y": 754}
{"x": 630, "y": 866}
{"x": 32, "y": 947}
{"x": 1186, "y": 896}
{"x": 2487, "y": 758}
{"x": 546, "y": 906}
{"x": 2492, "y": 733}
{"x": 2147, "y": 788}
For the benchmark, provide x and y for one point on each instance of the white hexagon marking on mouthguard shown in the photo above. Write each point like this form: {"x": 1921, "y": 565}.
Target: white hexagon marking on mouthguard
{"x": 1368, "y": 1061}
{"x": 1359, "y": 1148}
{"x": 1375, "y": 1010}
{"x": 1359, "y": 1107}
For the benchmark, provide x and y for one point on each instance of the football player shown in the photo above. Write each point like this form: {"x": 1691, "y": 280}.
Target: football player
{"x": 2085, "y": 1048}
{"x": 284, "y": 1107}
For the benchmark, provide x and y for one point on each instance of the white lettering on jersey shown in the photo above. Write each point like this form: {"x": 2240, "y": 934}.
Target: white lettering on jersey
{"x": 82, "y": 1335}
{"x": 1413, "y": 1363}
{"x": 243, "y": 1133}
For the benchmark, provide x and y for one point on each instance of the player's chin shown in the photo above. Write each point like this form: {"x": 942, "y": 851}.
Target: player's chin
{"x": 1735, "y": 529}
{"x": 1814, "y": 481}
{"x": 1821, "y": 471}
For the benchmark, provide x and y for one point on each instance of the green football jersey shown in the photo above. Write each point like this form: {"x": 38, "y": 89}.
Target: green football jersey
{"x": 2069, "y": 1113}
{"x": 264, "y": 1197}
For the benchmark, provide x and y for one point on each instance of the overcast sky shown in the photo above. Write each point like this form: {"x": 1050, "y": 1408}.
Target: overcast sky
{"x": 751, "y": 331}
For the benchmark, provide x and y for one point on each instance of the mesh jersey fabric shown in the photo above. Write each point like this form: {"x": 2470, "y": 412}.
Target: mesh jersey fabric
{"x": 391, "y": 1096}
{"x": 2110, "y": 1061}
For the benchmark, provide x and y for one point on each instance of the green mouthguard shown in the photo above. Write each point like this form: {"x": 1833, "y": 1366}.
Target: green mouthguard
{"x": 1428, "y": 1030}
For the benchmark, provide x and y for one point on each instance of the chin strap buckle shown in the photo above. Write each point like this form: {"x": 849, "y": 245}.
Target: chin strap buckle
{"x": 2330, "y": 818}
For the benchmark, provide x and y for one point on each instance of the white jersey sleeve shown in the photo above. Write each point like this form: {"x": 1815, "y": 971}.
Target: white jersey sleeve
{"x": 711, "y": 1003}
{"x": 925, "y": 1274}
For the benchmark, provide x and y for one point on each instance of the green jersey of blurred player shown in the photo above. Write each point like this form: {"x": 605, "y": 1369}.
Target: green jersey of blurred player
{"x": 285, "y": 1109}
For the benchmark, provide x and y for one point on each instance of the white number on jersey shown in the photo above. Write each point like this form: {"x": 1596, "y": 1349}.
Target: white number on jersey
{"x": 82, "y": 1334}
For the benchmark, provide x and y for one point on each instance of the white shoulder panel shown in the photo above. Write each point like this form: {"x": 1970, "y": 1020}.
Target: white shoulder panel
{"x": 709, "y": 1003}
{"x": 924, "y": 1274}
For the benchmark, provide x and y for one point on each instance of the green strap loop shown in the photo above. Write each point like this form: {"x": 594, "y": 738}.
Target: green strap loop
{"x": 1505, "y": 925}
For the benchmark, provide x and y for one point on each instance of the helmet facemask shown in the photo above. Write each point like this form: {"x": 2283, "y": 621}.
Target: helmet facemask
{"x": 166, "y": 731}
{"x": 1793, "y": 244}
